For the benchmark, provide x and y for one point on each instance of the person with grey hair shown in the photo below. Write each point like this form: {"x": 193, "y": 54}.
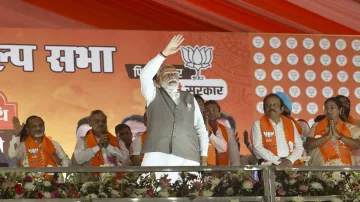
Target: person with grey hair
{"x": 169, "y": 112}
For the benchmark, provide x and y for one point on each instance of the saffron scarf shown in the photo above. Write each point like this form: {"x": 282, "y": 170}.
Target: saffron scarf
{"x": 328, "y": 149}
{"x": 269, "y": 136}
{"x": 215, "y": 158}
{"x": 40, "y": 155}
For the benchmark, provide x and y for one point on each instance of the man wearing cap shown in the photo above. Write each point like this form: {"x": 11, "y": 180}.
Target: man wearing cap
{"x": 176, "y": 134}
{"x": 301, "y": 125}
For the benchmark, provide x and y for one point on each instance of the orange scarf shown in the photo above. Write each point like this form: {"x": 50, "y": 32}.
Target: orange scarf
{"x": 269, "y": 136}
{"x": 143, "y": 138}
{"x": 328, "y": 149}
{"x": 215, "y": 158}
{"x": 40, "y": 155}
{"x": 91, "y": 142}
{"x": 298, "y": 127}
{"x": 351, "y": 120}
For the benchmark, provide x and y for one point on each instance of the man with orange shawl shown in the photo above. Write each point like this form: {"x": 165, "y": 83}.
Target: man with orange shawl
{"x": 99, "y": 147}
{"x": 333, "y": 139}
{"x": 275, "y": 137}
{"x": 36, "y": 150}
{"x": 223, "y": 147}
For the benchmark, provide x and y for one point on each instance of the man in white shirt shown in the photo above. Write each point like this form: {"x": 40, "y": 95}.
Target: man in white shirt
{"x": 124, "y": 136}
{"x": 36, "y": 150}
{"x": 99, "y": 147}
{"x": 221, "y": 137}
{"x": 172, "y": 114}
{"x": 275, "y": 137}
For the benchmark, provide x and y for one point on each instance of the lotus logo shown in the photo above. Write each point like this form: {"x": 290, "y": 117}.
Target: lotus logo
{"x": 340, "y": 44}
{"x": 343, "y": 91}
{"x": 309, "y": 59}
{"x": 260, "y": 74}
{"x": 291, "y": 43}
{"x": 292, "y": 59}
{"x": 326, "y": 76}
{"x": 269, "y": 134}
{"x": 296, "y": 107}
{"x": 291, "y": 146}
{"x": 325, "y": 60}
{"x": 356, "y": 60}
{"x": 342, "y": 76}
{"x": 261, "y": 91}
{"x": 312, "y": 108}
{"x": 277, "y": 89}
{"x": 311, "y": 92}
{"x": 276, "y": 58}
{"x": 356, "y": 45}
{"x": 197, "y": 59}
{"x": 258, "y": 42}
{"x": 357, "y": 108}
{"x": 308, "y": 43}
{"x": 259, "y": 58}
{"x": 310, "y": 75}
{"x": 294, "y": 91}
{"x": 327, "y": 92}
{"x": 324, "y": 44}
{"x": 33, "y": 150}
{"x": 260, "y": 107}
{"x": 357, "y": 92}
{"x": 276, "y": 74}
{"x": 275, "y": 42}
{"x": 341, "y": 60}
{"x": 293, "y": 75}
{"x": 356, "y": 76}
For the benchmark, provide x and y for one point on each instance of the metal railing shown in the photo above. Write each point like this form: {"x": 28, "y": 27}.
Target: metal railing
{"x": 269, "y": 175}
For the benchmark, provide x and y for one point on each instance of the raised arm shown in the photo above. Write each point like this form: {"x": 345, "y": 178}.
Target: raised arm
{"x": 152, "y": 67}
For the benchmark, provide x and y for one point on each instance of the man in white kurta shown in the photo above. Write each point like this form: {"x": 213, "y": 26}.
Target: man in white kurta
{"x": 171, "y": 87}
{"x": 287, "y": 152}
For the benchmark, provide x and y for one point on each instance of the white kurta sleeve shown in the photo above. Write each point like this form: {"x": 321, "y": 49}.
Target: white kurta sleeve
{"x": 135, "y": 147}
{"x": 16, "y": 149}
{"x": 146, "y": 78}
{"x": 121, "y": 153}
{"x": 65, "y": 160}
{"x": 259, "y": 147}
{"x": 298, "y": 147}
{"x": 218, "y": 141}
{"x": 234, "y": 149}
{"x": 83, "y": 154}
{"x": 201, "y": 130}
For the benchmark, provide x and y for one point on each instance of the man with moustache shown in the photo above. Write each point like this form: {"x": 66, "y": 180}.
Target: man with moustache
{"x": 99, "y": 147}
{"x": 36, "y": 150}
{"x": 176, "y": 133}
{"x": 275, "y": 137}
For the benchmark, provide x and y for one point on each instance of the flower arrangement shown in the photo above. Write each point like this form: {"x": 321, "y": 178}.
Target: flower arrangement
{"x": 293, "y": 183}
{"x": 132, "y": 185}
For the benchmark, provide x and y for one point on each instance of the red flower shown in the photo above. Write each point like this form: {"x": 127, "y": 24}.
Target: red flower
{"x": 54, "y": 194}
{"x": 19, "y": 189}
{"x": 76, "y": 195}
{"x": 39, "y": 195}
{"x": 150, "y": 192}
{"x": 28, "y": 179}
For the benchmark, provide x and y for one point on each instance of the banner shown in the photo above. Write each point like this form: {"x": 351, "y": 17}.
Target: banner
{"x": 62, "y": 75}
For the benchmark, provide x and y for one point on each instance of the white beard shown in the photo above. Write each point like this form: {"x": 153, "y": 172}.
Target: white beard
{"x": 168, "y": 86}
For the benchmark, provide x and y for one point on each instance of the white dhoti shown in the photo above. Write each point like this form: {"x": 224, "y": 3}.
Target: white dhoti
{"x": 163, "y": 159}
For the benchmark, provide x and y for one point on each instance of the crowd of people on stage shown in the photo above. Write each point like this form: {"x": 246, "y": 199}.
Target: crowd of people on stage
{"x": 185, "y": 130}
